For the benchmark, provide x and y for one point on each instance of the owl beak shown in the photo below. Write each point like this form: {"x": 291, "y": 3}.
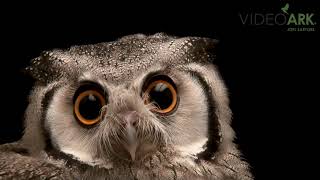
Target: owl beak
{"x": 132, "y": 141}
{"x": 130, "y": 121}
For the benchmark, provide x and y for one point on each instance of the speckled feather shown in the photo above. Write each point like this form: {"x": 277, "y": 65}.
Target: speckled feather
{"x": 17, "y": 164}
{"x": 118, "y": 60}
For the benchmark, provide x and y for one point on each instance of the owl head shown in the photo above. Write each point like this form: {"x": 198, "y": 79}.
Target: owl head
{"x": 127, "y": 99}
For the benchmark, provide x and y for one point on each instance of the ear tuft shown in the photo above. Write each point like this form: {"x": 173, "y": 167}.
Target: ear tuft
{"x": 45, "y": 68}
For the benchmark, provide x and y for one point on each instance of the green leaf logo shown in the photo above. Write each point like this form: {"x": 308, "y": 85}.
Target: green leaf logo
{"x": 285, "y": 8}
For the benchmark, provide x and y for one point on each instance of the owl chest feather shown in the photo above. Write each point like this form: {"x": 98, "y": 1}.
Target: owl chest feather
{"x": 160, "y": 165}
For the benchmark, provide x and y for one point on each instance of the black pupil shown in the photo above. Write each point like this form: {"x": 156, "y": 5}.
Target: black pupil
{"x": 89, "y": 107}
{"x": 161, "y": 95}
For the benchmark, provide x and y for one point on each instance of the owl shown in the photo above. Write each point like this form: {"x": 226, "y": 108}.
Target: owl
{"x": 141, "y": 107}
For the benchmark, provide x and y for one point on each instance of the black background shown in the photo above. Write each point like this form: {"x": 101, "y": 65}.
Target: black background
{"x": 270, "y": 73}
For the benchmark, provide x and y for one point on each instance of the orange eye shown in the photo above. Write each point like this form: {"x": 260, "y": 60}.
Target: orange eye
{"x": 87, "y": 106}
{"x": 162, "y": 92}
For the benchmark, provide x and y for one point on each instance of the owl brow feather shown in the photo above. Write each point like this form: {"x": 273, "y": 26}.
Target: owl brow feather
{"x": 104, "y": 142}
{"x": 112, "y": 135}
{"x": 106, "y": 145}
{"x": 159, "y": 132}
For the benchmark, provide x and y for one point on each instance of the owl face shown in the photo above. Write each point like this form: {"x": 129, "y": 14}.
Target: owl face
{"x": 91, "y": 118}
{"x": 128, "y": 99}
